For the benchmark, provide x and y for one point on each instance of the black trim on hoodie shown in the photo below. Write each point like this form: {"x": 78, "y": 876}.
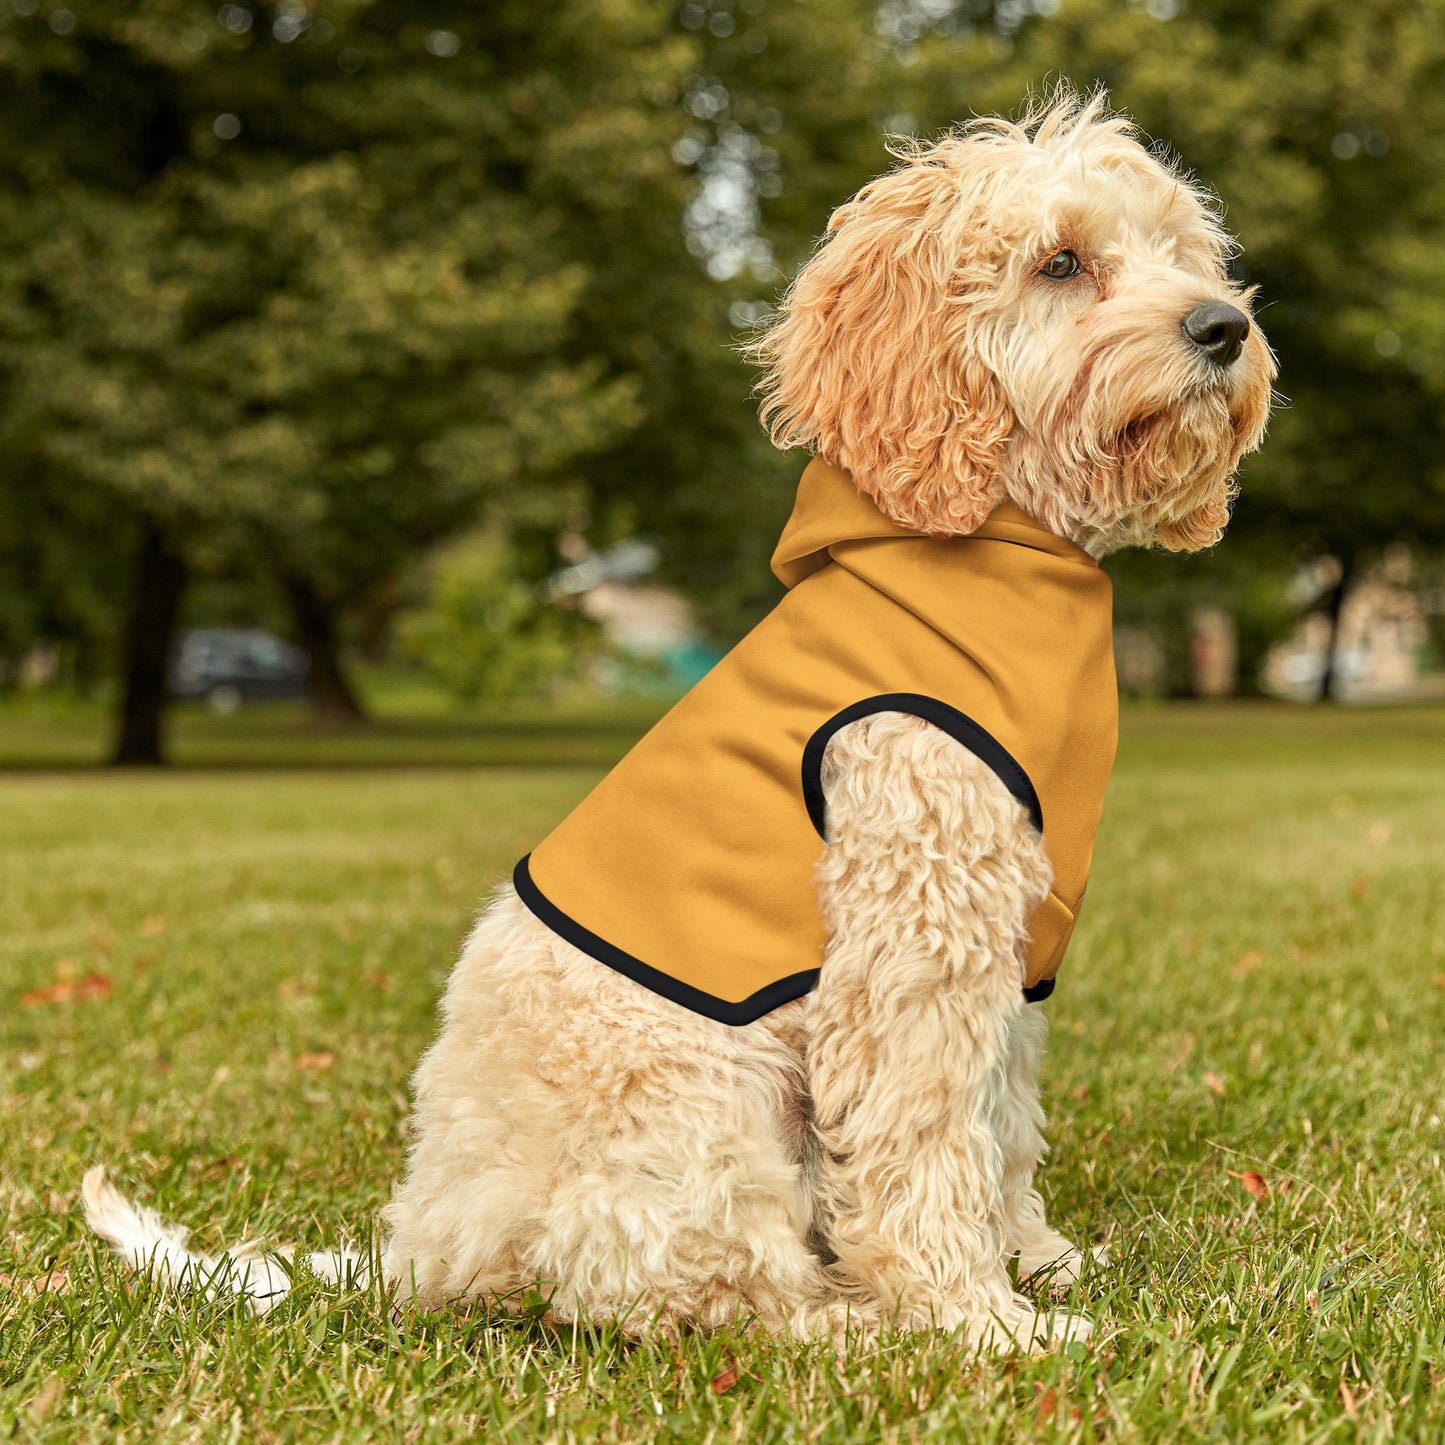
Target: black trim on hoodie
{"x": 784, "y": 990}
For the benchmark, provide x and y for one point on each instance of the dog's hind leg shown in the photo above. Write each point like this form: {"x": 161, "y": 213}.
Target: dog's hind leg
{"x": 930, "y": 877}
{"x": 679, "y": 1198}
{"x": 576, "y": 1133}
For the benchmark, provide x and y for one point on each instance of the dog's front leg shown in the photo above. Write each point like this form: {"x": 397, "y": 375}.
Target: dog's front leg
{"x": 1042, "y": 1251}
{"x": 931, "y": 874}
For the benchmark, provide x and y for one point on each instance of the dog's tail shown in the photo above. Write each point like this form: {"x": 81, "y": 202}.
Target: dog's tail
{"x": 147, "y": 1243}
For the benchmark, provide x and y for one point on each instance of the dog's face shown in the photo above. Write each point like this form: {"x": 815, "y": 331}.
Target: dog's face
{"x": 1037, "y": 311}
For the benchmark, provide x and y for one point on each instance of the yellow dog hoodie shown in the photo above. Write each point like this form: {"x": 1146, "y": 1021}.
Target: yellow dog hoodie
{"x": 690, "y": 866}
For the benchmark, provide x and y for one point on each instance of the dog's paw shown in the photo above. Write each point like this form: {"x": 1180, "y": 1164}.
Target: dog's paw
{"x": 1056, "y": 1265}
{"x": 1022, "y": 1326}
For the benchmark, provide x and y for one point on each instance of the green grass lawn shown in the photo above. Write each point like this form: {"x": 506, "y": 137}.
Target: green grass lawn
{"x": 217, "y": 980}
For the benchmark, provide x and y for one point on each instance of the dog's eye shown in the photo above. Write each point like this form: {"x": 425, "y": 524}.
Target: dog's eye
{"x": 1060, "y": 266}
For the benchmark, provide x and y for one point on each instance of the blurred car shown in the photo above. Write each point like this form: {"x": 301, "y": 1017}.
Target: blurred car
{"x": 230, "y": 665}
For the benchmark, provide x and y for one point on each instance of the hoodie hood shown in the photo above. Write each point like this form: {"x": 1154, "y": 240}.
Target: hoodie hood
{"x": 830, "y": 516}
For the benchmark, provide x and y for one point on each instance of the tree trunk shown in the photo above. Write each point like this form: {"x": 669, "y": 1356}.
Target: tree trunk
{"x": 333, "y": 699}
{"x": 1329, "y": 678}
{"x": 150, "y": 629}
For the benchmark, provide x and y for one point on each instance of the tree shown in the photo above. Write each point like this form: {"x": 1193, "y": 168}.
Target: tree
{"x": 306, "y": 288}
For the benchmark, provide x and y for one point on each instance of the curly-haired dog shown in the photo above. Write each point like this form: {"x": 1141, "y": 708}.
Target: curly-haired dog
{"x": 696, "y": 1062}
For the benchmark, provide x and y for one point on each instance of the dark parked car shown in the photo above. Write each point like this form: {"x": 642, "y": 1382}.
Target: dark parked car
{"x": 231, "y": 665}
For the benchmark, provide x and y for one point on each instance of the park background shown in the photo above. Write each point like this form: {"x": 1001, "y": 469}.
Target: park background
{"x": 409, "y": 333}
{"x": 406, "y": 334}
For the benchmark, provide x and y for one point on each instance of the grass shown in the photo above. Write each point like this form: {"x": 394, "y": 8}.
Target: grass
{"x": 230, "y": 973}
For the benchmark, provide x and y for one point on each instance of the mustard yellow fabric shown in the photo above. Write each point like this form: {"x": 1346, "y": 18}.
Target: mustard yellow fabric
{"x": 690, "y": 865}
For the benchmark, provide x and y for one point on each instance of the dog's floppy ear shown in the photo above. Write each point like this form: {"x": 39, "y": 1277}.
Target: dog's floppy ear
{"x": 871, "y": 361}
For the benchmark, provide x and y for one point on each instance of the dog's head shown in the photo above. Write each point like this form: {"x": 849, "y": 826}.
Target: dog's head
{"x": 1036, "y": 310}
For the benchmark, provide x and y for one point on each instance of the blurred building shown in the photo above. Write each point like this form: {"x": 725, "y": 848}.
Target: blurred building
{"x": 1381, "y": 651}
{"x": 654, "y": 634}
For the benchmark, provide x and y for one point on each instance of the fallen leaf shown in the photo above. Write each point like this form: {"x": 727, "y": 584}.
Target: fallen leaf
{"x": 1046, "y": 1408}
{"x": 1214, "y": 1083}
{"x": 321, "y": 1059}
{"x": 1246, "y": 963}
{"x": 724, "y": 1382}
{"x": 56, "y": 1282}
{"x": 92, "y": 986}
{"x": 152, "y": 927}
{"x": 1254, "y": 1183}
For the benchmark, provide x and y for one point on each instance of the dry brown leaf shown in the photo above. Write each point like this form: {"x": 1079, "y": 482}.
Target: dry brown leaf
{"x": 1046, "y": 1407}
{"x": 1214, "y": 1084}
{"x": 92, "y": 986}
{"x": 320, "y": 1059}
{"x": 1246, "y": 963}
{"x": 56, "y": 1282}
{"x": 1254, "y": 1182}
{"x": 727, "y": 1379}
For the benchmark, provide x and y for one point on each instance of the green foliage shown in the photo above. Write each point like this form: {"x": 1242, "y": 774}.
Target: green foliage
{"x": 484, "y": 633}
{"x": 312, "y": 287}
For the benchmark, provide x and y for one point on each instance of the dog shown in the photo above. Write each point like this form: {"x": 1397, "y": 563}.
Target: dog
{"x": 1023, "y": 339}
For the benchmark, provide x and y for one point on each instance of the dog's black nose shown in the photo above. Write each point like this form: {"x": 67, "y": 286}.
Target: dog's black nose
{"x": 1218, "y": 331}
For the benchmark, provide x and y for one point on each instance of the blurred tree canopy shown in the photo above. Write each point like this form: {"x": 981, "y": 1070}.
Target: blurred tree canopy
{"x": 315, "y": 289}
{"x": 301, "y": 290}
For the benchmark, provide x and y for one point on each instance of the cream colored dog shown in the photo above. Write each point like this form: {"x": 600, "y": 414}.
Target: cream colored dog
{"x": 1037, "y": 312}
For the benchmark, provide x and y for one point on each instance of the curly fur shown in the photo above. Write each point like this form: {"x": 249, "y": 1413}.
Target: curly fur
{"x": 866, "y": 1155}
